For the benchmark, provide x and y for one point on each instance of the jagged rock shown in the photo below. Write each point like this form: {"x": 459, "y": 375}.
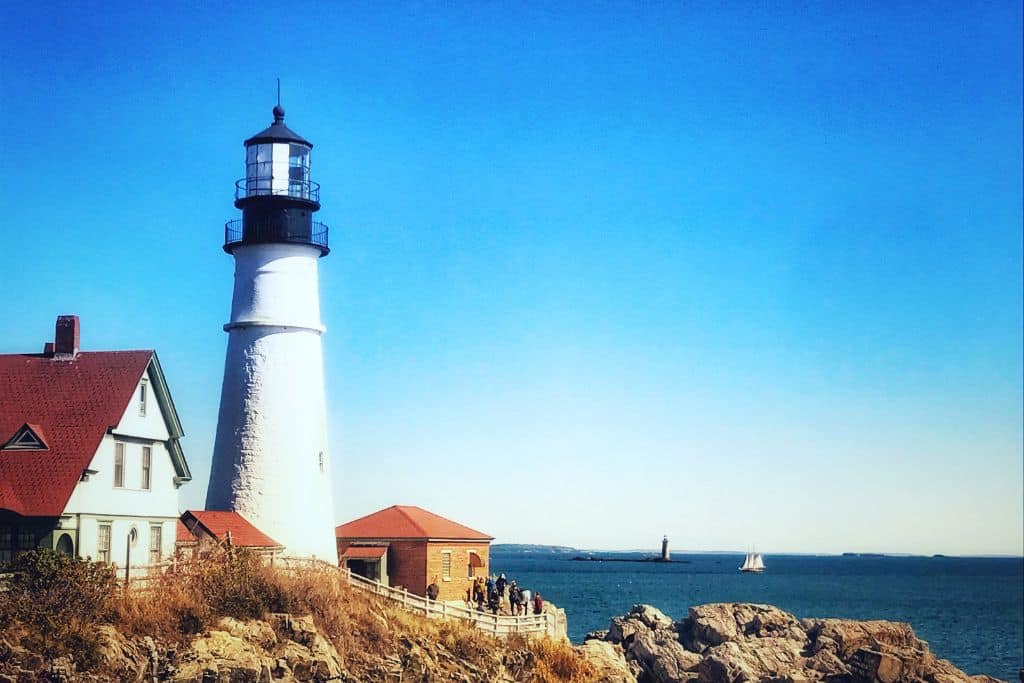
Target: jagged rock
{"x": 561, "y": 627}
{"x": 621, "y": 630}
{"x": 600, "y": 634}
{"x": 231, "y": 657}
{"x": 753, "y": 660}
{"x": 257, "y": 632}
{"x": 740, "y": 642}
{"x": 717, "y": 623}
{"x": 874, "y": 665}
{"x": 608, "y": 660}
{"x": 849, "y": 635}
{"x": 663, "y": 657}
{"x": 652, "y": 617}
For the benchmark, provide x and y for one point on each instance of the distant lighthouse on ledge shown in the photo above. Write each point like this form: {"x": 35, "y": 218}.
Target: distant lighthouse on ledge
{"x": 270, "y": 458}
{"x": 665, "y": 556}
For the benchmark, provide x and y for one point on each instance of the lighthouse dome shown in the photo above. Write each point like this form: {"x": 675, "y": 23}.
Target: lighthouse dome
{"x": 278, "y": 132}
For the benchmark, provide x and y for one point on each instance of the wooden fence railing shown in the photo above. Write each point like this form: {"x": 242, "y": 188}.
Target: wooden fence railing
{"x": 497, "y": 624}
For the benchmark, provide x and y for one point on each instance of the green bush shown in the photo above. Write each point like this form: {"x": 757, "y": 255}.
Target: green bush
{"x": 56, "y": 599}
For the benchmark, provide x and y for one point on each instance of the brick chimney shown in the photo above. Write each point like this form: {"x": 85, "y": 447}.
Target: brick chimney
{"x": 65, "y": 344}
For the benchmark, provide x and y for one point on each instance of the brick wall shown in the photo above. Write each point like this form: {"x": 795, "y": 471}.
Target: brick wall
{"x": 459, "y": 582}
{"x": 412, "y": 565}
{"x": 407, "y": 565}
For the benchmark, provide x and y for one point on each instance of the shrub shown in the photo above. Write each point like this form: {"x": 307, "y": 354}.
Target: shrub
{"x": 240, "y": 586}
{"x": 57, "y": 599}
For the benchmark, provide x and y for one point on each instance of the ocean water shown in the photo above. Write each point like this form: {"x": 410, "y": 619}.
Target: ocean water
{"x": 970, "y": 610}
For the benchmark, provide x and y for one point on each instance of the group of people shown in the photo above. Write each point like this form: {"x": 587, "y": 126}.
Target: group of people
{"x": 501, "y": 594}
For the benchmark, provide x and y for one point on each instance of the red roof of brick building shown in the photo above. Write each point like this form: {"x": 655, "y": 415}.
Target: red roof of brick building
{"x": 217, "y": 523}
{"x": 407, "y": 522}
{"x": 70, "y": 404}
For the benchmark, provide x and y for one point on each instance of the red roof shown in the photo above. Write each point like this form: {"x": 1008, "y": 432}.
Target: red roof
{"x": 218, "y": 523}
{"x": 408, "y": 521}
{"x": 70, "y": 404}
{"x": 364, "y": 552}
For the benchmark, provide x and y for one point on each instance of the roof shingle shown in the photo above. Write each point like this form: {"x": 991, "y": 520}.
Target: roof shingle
{"x": 218, "y": 523}
{"x": 73, "y": 403}
{"x": 408, "y": 521}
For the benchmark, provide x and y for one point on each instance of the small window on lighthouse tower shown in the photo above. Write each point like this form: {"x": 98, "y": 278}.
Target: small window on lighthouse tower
{"x": 321, "y": 459}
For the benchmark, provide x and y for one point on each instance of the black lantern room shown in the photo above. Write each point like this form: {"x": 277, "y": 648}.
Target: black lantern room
{"x": 276, "y": 196}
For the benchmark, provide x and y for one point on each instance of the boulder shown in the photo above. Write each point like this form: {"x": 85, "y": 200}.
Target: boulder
{"x": 847, "y": 636}
{"x": 652, "y": 617}
{"x": 875, "y": 666}
{"x": 231, "y": 657}
{"x": 753, "y": 660}
{"x": 662, "y": 656}
{"x": 608, "y": 660}
{"x": 717, "y": 623}
{"x": 622, "y": 630}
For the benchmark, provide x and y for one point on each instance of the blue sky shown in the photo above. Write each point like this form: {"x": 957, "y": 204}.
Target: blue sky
{"x": 738, "y": 275}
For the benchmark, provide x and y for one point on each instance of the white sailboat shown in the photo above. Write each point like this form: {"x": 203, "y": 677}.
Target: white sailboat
{"x": 753, "y": 563}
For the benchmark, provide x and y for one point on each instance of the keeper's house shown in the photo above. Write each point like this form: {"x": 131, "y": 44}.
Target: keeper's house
{"x": 90, "y": 462}
{"x": 406, "y": 546}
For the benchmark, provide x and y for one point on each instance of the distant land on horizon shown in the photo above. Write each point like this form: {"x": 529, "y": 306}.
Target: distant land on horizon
{"x": 540, "y": 549}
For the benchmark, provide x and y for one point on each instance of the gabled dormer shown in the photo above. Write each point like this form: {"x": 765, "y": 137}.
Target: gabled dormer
{"x": 29, "y": 437}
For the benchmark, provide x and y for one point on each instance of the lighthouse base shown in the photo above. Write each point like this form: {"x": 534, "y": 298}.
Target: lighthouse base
{"x": 270, "y": 459}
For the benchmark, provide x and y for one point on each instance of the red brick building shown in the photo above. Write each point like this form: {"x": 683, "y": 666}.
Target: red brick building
{"x": 407, "y": 546}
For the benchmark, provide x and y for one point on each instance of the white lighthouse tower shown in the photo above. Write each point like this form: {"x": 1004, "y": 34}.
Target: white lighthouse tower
{"x": 270, "y": 458}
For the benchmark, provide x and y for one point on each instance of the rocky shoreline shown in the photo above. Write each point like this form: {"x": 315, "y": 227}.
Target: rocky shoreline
{"x": 738, "y": 642}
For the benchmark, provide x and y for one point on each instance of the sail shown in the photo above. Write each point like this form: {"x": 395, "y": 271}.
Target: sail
{"x": 748, "y": 563}
{"x": 758, "y": 562}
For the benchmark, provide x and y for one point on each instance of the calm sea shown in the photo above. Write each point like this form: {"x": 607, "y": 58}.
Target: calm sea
{"x": 971, "y": 610}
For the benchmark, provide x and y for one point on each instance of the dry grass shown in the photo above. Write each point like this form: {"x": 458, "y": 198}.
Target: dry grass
{"x": 366, "y": 630}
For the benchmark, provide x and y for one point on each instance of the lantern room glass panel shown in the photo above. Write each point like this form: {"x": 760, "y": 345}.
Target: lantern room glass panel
{"x": 259, "y": 169}
{"x": 298, "y": 171}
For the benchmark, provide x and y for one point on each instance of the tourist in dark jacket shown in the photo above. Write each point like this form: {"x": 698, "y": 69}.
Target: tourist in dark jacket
{"x": 493, "y": 602}
{"x": 500, "y": 585}
{"x": 538, "y": 603}
{"x": 432, "y": 589}
{"x": 515, "y": 598}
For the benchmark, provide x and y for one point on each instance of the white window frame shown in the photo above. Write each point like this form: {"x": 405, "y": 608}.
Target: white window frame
{"x": 156, "y": 537}
{"x": 446, "y": 565}
{"x": 143, "y": 395}
{"x": 104, "y": 532}
{"x": 146, "y": 473}
{"x": 119, "y": 464}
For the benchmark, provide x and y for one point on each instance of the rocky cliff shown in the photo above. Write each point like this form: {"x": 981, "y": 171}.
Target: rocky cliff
{"x": 737, "y": 642}
{"x": 284, "y": 647}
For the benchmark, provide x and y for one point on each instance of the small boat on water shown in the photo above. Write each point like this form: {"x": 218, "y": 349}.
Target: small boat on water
{"x": 753, "y": 564}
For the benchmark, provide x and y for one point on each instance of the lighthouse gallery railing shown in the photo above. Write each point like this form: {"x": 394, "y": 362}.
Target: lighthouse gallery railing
{"x": 235, "y": 234}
